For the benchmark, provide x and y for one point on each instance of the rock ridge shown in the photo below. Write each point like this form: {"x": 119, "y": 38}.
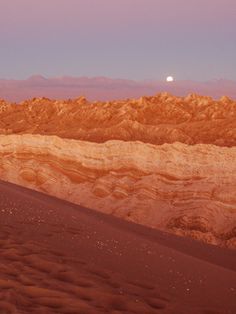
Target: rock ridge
{"x": 157, "y": 120}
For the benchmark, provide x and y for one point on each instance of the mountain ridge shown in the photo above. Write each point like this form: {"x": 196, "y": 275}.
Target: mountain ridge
{"x": 159, "y": 119}
{"x": 106, "y": 89}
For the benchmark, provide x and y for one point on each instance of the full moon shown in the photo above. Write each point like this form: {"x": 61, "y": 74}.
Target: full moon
{"x": 169, "y": 79}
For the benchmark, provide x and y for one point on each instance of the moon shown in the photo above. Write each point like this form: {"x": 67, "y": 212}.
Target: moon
{"x": 169, "y": 79}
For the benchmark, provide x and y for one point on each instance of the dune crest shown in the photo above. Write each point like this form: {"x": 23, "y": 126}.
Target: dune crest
{"x": 184, "y": 189}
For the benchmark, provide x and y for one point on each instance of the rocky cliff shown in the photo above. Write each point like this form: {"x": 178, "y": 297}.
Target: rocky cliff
{"x": 185, "y": 189}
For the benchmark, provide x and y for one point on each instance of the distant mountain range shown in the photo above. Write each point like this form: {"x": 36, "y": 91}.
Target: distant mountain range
{"x": 103, "y": 88}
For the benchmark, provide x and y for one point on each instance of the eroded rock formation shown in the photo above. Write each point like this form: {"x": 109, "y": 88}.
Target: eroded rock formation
{"x": 185, "y": 189}
{"x": 156, "y": 120}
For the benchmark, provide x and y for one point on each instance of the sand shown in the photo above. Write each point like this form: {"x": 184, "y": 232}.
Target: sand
{"x": 57, "y": 257}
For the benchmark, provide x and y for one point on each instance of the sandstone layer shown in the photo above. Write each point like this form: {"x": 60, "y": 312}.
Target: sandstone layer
{"x": 156, "y": 120}
{"x": 185, "y": 189}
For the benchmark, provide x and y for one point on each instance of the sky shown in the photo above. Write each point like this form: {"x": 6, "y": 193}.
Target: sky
{"x": 131, "y": 39}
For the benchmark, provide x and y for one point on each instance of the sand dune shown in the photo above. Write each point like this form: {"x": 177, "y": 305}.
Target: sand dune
{"x": 60, "y": 258}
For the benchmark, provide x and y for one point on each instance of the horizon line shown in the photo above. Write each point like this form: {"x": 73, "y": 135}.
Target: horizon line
{"x": 40, "y": 76}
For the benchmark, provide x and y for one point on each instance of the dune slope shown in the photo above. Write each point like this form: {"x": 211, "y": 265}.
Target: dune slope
{"x": 57, "y": 257}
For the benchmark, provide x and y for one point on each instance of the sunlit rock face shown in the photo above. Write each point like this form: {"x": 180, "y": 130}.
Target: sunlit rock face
{"x": 157, "y": 120}
{"x": 185, "y": 189}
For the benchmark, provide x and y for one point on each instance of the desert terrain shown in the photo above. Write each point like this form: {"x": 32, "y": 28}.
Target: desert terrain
{"x": 163, "y": 161}
{"x": 57, "y": 257}
{"x": 118, "y": 157}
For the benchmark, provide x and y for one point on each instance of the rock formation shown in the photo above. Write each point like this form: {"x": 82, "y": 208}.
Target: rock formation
{"x": 156, "y": 120}
{"x": 185, "y": 189}
{"x": 166, "y": 162}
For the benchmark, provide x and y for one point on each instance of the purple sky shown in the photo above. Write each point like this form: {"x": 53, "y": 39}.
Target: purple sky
{"x": 135, "y": 39}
